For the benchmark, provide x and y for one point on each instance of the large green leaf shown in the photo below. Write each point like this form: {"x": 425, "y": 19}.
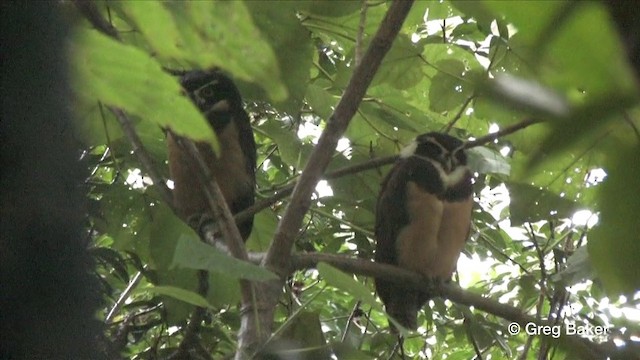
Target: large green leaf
{"x": 587, "y": 44}
{"x": 530, "y": 204}
{"x": 486, "y": 161}
{"x": 157, "y": 25}
{"x": 320, "y": 99}
{"x": 187, "y": 296}
{"x": 191, "y": 253}
{"x": 614, "y": 245}
{"x": 306, "y": 330}
{"x": 401, "y": 67}
{"x": 344, "y": 282}
{"x": 264, "y": 228}
{"x": 448, "y": 88}
{"x": 290, "y": 146}
{"x": 332, "y": 8}
{"x": 247, "y": 54}
{"x": 126, "y": 77}
{"x": 281, "y": 29}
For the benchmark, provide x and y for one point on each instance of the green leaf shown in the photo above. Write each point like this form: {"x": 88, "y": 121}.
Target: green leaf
{"x": 289, "y": 145}
{"x": 448, "y": 88}
{"x": 306, "y": 330}
{"x": 562, "y": 173}
{"x": 187, "y": 296}
{"x": 333, "y": 8}
{"x": 128, "y": 78}
{"x": 191, "y": 253}
{"x": 157, "y": 25}
{"x": 166, "y": 229}
{"x": 401, "y": 67}
{"x": 585, "y": 123}
{"x": 264, "y": 228}
{"x": 377, "y": 111}
{"x": 578, "y": 268}
{"x": 440, "y": 10}
{"x": 530, "y": 204}
{"x": 229, "y": 38}
{"x": 321, "y": 101}
{"x": 614, "y": 245}
{"x": 486, "y": 161}
{"x": 344, "y": 282}
{"x": 588, "y": 43}
{"x": 531, "y": 17}
{"x": 280, "y": 28}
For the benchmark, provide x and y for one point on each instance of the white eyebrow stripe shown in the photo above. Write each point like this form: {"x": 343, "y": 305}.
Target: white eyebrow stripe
{"x": 409, "y": 150}
{"x": 449, "y": 180}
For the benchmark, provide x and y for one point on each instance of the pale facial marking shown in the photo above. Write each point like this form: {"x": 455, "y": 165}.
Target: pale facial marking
{"x": 409, "y": 150}
{"x": 220, "y": 106}
{"x": 453, "y": 178}
{"x": 448, "y": 179}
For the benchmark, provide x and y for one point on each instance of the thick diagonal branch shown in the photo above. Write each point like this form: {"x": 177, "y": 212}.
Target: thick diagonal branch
{"x": 257, "y": 320}
{"x": 280, "y": 250}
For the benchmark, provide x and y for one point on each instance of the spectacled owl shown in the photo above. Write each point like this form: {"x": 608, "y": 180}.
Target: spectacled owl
{"x": 423, "y": 216}
{"x": 234, "y": 168}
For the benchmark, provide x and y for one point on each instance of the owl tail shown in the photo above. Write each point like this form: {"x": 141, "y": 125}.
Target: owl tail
{"x": 403, "y": 307}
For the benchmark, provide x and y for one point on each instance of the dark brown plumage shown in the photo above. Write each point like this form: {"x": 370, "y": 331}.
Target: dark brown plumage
{"x": 234, "y": 169}
{"x": 423, "y": 216}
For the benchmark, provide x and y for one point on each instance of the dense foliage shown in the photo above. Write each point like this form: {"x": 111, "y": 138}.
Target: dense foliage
{"x": 469, "y": 68}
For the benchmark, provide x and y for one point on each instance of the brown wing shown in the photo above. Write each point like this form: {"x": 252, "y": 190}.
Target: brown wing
{"x": 391, "y": 218}
{"x": 418, "y": 230}
{"x": 234, "y": 168}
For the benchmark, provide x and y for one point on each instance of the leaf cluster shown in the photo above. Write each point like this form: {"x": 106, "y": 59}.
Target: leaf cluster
{"x": 468, "y": 68}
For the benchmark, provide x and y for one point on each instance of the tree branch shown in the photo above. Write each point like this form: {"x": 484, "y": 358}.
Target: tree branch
{"x": 142, "y": 155}
{"x": 458, "y": 115}
{"x": 280, "y": 250}
{"x": 92, "y": 14}
{"x": 210, "y": 188}
{"x": 372, "y": 164}
{"x": 584, "y": 348}
{"x": 90, "y": 11}
{"x": 257, "y": 319}
{"x": 360, "y": 34}
{"x": 288, "y": 189}
{"x": 503, "y": 132}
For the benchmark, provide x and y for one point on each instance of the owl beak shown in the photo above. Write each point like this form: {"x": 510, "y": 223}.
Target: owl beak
{"x": 447, "y": 164}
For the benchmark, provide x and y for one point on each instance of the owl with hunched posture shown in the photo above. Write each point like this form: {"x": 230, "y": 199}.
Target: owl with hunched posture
{"x": 234, "y": 168}
{"x": 423, "y": 216}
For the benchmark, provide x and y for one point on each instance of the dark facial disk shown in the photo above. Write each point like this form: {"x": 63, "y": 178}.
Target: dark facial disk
{"x": 445, "y": 149}
{"x": 215, "y": 95}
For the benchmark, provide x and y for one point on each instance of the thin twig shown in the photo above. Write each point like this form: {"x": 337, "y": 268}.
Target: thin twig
{"x": 470, "y": 335}
{"x": 143, "y": 156}
{"x": 288, "y": 189}
{"x": 123, "y": 296}
{"x": 217, "y": 204}
{"x": 503, "y": 132}
{"x": 355, "y": 309}
{"x": 459, "y": 114}
{"x": 91, "y": 12}
{"x": 628, "y": 120}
